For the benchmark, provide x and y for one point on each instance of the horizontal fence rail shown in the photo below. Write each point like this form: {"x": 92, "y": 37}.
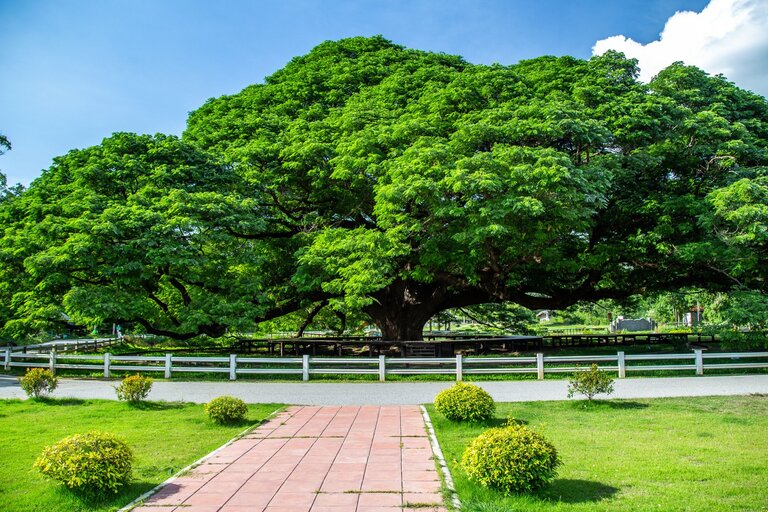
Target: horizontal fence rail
{"x": 382, "y": 366}
{"x": 75, "y": 344}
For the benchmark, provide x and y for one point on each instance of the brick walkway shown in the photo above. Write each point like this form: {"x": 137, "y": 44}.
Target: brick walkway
{"x": 316, "y": 459}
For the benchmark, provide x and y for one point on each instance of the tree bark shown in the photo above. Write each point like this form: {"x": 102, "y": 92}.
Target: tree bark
{"x": 403, "y": 308}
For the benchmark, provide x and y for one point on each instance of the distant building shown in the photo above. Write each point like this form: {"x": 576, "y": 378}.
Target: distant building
{"x": 545, "y": 315}
{"x": 632, "y": 324}
{"x": 694, "y": 317}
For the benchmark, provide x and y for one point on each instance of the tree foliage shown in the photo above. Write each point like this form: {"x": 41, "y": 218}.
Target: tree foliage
{"x": 367, "y": 177}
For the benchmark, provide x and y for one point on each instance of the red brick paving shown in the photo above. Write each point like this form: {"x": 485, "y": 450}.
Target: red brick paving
{"x": 315, "y": 459}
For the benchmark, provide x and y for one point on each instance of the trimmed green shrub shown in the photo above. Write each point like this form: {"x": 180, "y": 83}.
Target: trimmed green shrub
{"x": 38, "y": 382}
{"x": 465, "y": 402}
{"x": 134, "y": 388}
{"x": 226, "y": 409}
{"x": 590, "y": 383}
{"x": 511, "y": 459}
{"x": 92, "y": 464}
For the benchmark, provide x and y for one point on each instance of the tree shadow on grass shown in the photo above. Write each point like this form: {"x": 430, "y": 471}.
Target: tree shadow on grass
{"x": 502, "y": 422}
{"x": 601, "y": 405}
{"x": 47, "y": 400}
{"x": 104, "y": 499}
{"x": 625, "y": 404}
{"x": 155, "y": 406}
{"x": 577, "y": 491}
{"x": 243, "y": 423}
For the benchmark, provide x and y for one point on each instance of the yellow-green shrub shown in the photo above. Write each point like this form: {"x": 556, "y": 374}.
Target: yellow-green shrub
{"x": 465, "y": 402}
{"x": 38, "y": 382}
{"x": 226, "y": 409}
{"x": 93, "y": 463}
{"x": 134, "y": 388}
{"x": 512, "y": 459}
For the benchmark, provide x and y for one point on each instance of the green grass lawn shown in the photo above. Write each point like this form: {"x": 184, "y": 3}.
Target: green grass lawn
{"x": 165, "y": 437}
{"x": 682, "y": 454}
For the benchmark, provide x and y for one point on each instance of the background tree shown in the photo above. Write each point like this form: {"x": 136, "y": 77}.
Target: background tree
{"x": 369, "y": 177}
{"x": 504, "y": 318}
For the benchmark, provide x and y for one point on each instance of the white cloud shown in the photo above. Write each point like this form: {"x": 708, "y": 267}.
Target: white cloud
{"x": 728, "y": 37}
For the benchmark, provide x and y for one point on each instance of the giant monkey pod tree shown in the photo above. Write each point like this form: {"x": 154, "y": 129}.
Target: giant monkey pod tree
{"x": 365, "y": 176}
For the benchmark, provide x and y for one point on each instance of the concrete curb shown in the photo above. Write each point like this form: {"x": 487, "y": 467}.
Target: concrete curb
{"x": 438, "y": 452}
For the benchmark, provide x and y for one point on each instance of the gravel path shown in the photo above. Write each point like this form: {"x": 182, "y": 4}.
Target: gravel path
{"x": 396, "y": 393}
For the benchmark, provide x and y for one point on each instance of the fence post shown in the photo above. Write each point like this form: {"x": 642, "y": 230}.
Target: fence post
{"x": 459, "y": 368}
{"x": 7, "y": 358}
{"x": 168, "y": 364}
{"x": 106, "y": 365}
{"x": 622, "y": 365}
{"x": 382, "y": 368}
{"x": 52, "y": 363}
{"x": 540, "y": 366}
{"x": 699, "y": 361}
{"x": 232, "y": 366}
{"x": 305, "y": 367}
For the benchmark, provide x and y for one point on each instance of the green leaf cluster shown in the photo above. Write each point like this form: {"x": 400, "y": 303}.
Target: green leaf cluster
{"x": 368, "y": 178}
{"x": 512, "y": 459}
{"x": 591, "y": 382}
{"x": 465, "y": 402}
{"x": 38, "y": 382}
{"x": 226, "y": 409}
{"x": 91, "y": 464}
{"x": 134, "y": 388}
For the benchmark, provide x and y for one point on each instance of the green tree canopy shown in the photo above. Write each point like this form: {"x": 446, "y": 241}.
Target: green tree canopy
{"x": 375, "y": 178}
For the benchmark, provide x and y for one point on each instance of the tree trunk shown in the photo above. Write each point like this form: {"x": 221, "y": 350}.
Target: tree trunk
{"x": 400, "y": 327}
{"x": 403, "y": 308}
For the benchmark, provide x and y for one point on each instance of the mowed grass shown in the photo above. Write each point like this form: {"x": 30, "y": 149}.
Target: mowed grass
{"x": 164, "y": 437}
{"x": 681, "y": 454}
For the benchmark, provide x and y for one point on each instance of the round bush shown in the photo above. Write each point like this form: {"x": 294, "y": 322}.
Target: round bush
{"x": 590, "y": 383}
{"x": 226, "y": 409}
{"x": 512, "y": 459}
{"x": 91, "y": 464}
{"x": 465, "y": 402}
{"x": 38, "y": 382}
{"x": 134, "y": 388}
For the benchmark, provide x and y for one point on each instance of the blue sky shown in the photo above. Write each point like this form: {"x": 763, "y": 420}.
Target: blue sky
{"x": 74, "y": 71}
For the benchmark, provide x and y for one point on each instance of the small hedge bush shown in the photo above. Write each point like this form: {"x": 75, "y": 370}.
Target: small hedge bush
{"x": 226, "y": 409}
{"x": 465, "y": 402}
{"x": 590, "y": 383}
{"x": 92, "y": 464}
{"x": 38, "y": 382}
{"x": 511, "y": 459}
{"x": 134, "y": 388}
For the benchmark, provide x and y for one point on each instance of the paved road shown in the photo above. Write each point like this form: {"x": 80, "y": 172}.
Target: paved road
{"x": 396, "y": 393}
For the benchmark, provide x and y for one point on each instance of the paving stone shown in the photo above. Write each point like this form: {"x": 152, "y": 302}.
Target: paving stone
{"x": 316, "y": 459}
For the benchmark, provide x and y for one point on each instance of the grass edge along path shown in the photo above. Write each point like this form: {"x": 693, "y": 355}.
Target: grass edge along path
{"x": 671, "y": 454}
{"x": 165, "y": 438}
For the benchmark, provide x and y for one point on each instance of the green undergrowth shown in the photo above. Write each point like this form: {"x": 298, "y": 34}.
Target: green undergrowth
{"x": 165, "y": 438}
{"x": 681, "y": 454}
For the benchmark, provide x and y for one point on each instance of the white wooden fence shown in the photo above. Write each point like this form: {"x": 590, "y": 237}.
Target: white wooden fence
{"x": 76, "y": 344}
{"x": 306, "y": 366}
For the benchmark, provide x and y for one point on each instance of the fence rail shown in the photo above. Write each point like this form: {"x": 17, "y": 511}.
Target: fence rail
{"x": 382, "y": 366}
{"x": 76, "y": 344}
